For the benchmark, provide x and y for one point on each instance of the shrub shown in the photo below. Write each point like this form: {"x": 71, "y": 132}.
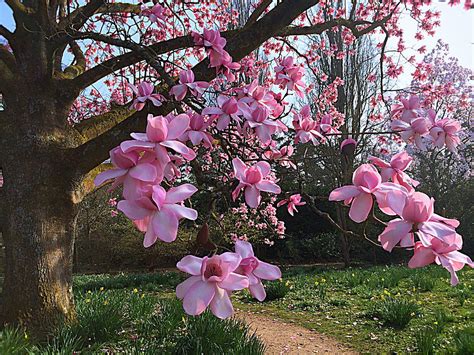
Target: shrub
{"x": 13, "y": 341}
{"x": 425, "y": 341}
{"x": 395, "y": 312}
{"x": 423, "y": 282}
{"x": 276, "y": 290}
{"x": 464, "y": 341}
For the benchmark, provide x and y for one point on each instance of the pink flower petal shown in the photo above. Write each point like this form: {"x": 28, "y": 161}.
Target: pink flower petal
{"x": 360, "y": 207}
{"x": 198, "y": 297}
{"x": 190, "y": 264}
{"x": 184, "y": 286}
{"x": 267, "y": 271}
{"x": 221, "y": 306}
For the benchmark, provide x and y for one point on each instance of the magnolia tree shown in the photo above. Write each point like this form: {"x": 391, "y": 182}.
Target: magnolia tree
{"x": 184, "y": 97}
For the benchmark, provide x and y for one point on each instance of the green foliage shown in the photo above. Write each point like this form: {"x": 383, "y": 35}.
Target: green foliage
{"x": 276, "y": 290}
{"x": 461, "y": 293}
{"x": 425, "y": 340}
{"x": 13, "y": 341}
{"x": 350, "y": 295}
{"x": 129, "y": 320}
{"x": 150, "y": 281}
{"x": 423, "y": 282}
{"x": 395, "y": 312}
{"x": 464, "y": 341}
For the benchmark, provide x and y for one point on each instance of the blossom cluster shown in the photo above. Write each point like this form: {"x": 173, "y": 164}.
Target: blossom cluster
{"x": 438, "y": 240}
{"x": 214, "y": 278}
{"x": 242, "y": 125}
{"x": 415, "y": 123}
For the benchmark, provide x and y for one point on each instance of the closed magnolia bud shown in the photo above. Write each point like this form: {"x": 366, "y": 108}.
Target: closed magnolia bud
{"x": 348, "y": 146}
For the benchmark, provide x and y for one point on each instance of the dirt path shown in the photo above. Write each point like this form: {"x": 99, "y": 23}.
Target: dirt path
{"x": 286, "y": 338}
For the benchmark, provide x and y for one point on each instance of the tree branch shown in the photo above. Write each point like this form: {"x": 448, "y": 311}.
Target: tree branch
{"x": 257, "y": 12}
{"x": 79, "y": 65}
{"x": 122, "y": 61}
{"x": 79, "y": 17}
{"x": 240, "y": 45}
{"x": 4, "y": 32}
{"x": 18, "y": 8}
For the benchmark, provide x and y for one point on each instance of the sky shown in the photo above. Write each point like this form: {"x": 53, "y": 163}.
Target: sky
{"x": 457, "y": 30}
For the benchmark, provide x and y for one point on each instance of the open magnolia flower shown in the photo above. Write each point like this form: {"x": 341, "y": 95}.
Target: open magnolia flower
{"x": 212, "y": 280}
{"x": 292, "y": 201}
{"x": 444, "y": 254}
{"x": 444, "y": 132}
{"x": 227, "y": 109}
{"x": 417, "y": 216}
{"x": 290, "y": 75}
{"x": 366, "y": 182}
{"x": 161, "y": 134}
{"x": 159, "y": 215}
{"x": 255, "y": 269}
{"x": 186, "y": 82}
{"x": 395, "y": 170}
{"x": 306, "y": 128}
{"x": 253, "y": 180}
{"x": 143, "y": 93}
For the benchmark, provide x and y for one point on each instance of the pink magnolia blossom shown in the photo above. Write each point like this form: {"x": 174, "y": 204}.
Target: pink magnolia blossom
{"x": 160, "y": 135}
{"x": 225, "y": 66}
{"x": 290, "y": 75}
{"x": 325, "y": 125}
{"x": 444, "y": 132}
{"x": 255, "y": 95}
{"x": 159, "y": 215}
{"x": 417, "y": 216}
{"x": 366, "y": 182}
{"x": 254, "y": 269}
{"x": 253, "y": 180}
{"x": 281, "y": 155}
{"x": 348, "y": 146}
{"x": 131, "y": 170}
{"x": 408, "y": 110}
{"x": 306, "y": 128}
{"x": 214, "y": 44}
{"x": 227, "y": 109}
{"x": 444, "y": 254}
{"x": 156, "y": 13}
{"x": 186, "y": 81}
{"x": 395, "y": 169}
{"x": 212, "y": 280}
{"x": 144, "y": 92}
{"x": 258, "y": 120}
{"x": 210, "y": 39}
{"x": 292, "y": 201}
{"x": 197, "y": 131}
{"x": 413, "y": 130}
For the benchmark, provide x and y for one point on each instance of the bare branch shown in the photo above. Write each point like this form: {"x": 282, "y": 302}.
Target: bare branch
{"x": 4, "y": 32}
{"x": 79, "y": 65}
{"x": 79, "y": 17}
{"x": 19, "y": 8}
{"x": 257, "y": 12}
{"x": 122, "y": 61}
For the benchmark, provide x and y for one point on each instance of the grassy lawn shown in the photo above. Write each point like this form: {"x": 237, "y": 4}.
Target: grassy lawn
{"x": 135, "y": 314}
{"x": 378, "y": 309}
{"x": 373, "y": 310}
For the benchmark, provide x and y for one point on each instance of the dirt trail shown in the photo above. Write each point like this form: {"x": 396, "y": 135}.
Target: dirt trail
{"x": 286, "y": 338}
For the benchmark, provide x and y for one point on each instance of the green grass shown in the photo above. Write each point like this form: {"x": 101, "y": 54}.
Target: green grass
{"x": 126, "y": 317}
{"x": 379, "y": 309}
{"x": 373, "y": 310}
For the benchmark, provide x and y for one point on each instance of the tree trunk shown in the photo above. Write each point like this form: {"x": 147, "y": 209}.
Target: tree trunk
{"x": 39, "y": 235}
